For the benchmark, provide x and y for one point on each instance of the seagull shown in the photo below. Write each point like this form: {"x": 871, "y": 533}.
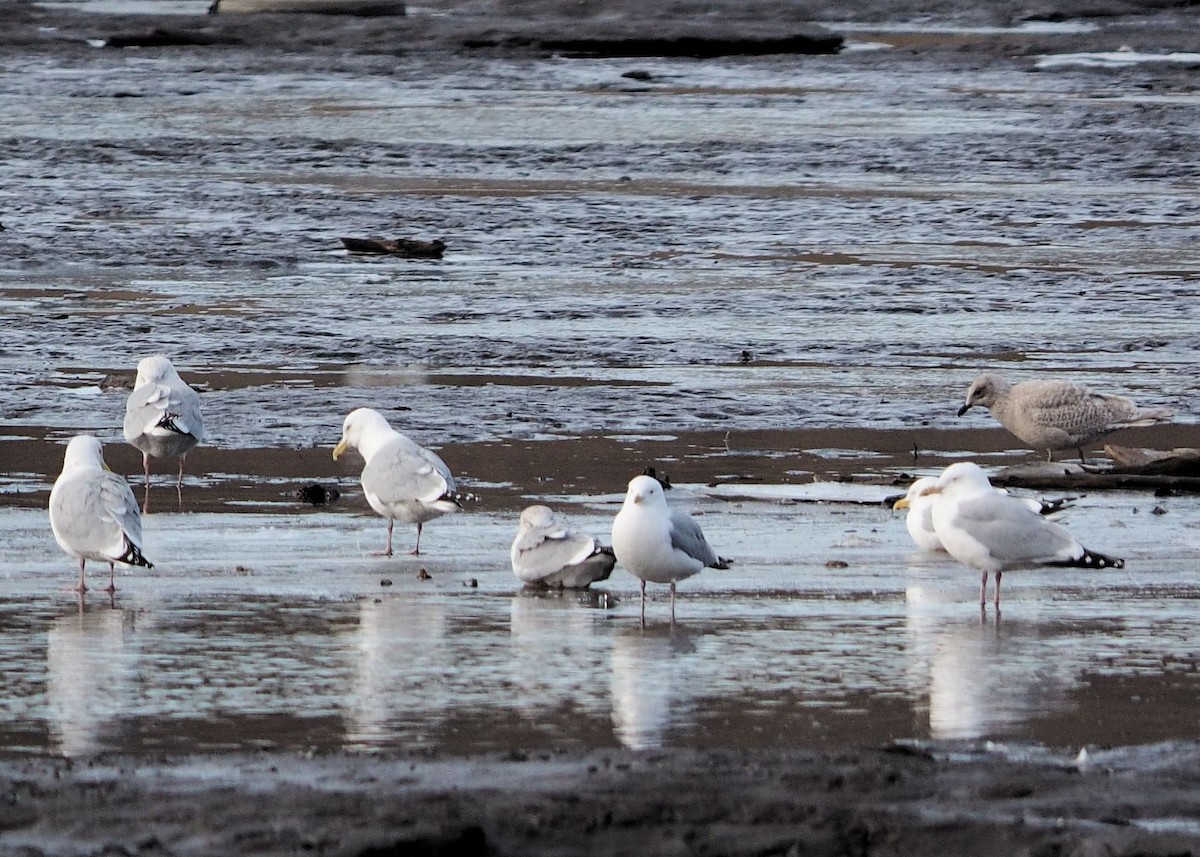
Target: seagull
{"x": 400, "y": 479}
{"x": 994, "y": 532}
{"x": 162, "y": 417}
{"x": 93, "y": 512}
{"x": 657, "y": 544}
{"x": 1049, "y": 415}
{"x": 919, "y": 520}
{"x": 548, "y": 554}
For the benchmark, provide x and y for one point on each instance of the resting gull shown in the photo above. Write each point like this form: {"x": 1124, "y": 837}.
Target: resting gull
{"x": 93, "y": 512}
{"x": 401, "y": 480}
{"x": 657, "y": 544}
{"x": 994, "y": 532}
{"x": 162, "y": 417}
{"x": 1050, "y": 415}
{"x": 548, "y": 554}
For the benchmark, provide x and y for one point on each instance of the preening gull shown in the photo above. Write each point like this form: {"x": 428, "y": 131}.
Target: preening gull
{"x": 549, "y": 554}
{"x": 401, "y": 480}
{"x": 919, "y": 520}
{"x": 1049, "y": 415}
{"x": 93, "y": 512}
{"x": 162, "y": 417}
{"x": 657, "y": 544}
{"x": 994, "y": 532}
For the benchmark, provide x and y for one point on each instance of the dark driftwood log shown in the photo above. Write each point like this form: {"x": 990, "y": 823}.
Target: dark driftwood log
{"x": 702, "y": 47}
{"x": 1144, "y": 469}
{"x": 160, "y": 37}
{"x": 407, "y": 247}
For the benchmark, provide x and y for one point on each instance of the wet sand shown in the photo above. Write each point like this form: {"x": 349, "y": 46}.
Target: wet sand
{"x": 124, "y": 258}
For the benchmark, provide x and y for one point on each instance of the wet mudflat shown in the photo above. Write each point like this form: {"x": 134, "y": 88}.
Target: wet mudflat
{"x": 752, "y": 272}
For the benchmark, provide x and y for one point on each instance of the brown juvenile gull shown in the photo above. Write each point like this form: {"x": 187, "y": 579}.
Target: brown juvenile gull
{"x": 994, "y": 532}
{"x": 1049, "y": 415}
{"x": 546, "y": 553}
{"x": 93, "y": 512}
{"x": 162, "y": 417}
{"x": 400, "y": 479}
{"x": 656, "y": 543}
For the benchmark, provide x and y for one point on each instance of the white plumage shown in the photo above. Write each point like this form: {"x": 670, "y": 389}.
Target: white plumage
{"x": 993, "y": 532}
{"x": 401, "y": 480}
{"x": 546, "y": 553}
{"x": 162, "y": 416}
{"x": 657, "y": 544}
{"x": 93, "y": 512}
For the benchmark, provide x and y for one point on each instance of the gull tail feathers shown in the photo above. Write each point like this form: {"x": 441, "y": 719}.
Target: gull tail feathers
{"x": 133, "y": 556}
{"x": 1091, "y": 559}
{"x": 1150, "y": 416}
{"x": 722, "y": 563}
{"x": 168, "y": 422}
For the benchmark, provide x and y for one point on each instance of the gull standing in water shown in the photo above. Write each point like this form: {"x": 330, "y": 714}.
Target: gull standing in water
{"x": 548, "y": 554}
{"x": 162, "y": 418}
{"x": 93, "y": 512}
{"x": 994, "y": 532}
{"x": 1049, "y": 415}
{"x": 401, "y": 480}
{"x": 657, "y": 544}
{"x": 919, "y": 503}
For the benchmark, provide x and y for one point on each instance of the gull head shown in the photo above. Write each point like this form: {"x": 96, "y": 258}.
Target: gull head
{"x": 358, "y": 424}
{"x": 918, "y": 489}
{"x": 963, "y": 479}
{"x": 536, "y": 517}
{"x": 83, "y": 450}
{"x": 984, "y": 390}
{"x": 645, "y": 491}
{"x": 154, "y": 369}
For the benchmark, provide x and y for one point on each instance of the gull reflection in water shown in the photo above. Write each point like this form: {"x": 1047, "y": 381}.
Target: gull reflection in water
{"x": 984, "y": 675}
{"x": 558, "y": 659}
{"x": 89, "y": 677}
{"x": 398, "y": 664}
{"x": 650, "y": 683}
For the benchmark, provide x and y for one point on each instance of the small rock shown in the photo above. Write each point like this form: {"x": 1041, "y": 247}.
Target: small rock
{"x": 471, "y": 582}
{"x": 317, "y": 495}
{"x": 424, "y": 575}
{"x": 387, "y": 581}
{"x": 1158, "y": 510}
{"x": 837, "y": 563}
{"x": 638, "y": 74}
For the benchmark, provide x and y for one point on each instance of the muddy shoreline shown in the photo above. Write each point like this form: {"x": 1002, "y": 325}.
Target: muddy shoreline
{"x": 897, "y": 800}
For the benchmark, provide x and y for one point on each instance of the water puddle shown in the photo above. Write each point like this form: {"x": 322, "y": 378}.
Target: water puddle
{"x": 280, "y": 630}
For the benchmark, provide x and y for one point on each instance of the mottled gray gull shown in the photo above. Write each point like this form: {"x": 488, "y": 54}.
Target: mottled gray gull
{"x": 1049, "y": 415}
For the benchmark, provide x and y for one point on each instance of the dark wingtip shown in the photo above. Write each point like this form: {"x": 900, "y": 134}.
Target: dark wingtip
{"x": 722, "y": 563}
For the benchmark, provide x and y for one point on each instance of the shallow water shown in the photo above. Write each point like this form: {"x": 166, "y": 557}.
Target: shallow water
{"x": 765, "y": 243}
{"x": 279, "y": 631}
{"x": 736, "y": 243}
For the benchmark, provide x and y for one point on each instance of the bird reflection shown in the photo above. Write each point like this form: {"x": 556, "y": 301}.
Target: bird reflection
{"x": 557, "y": 656}
{"x": 399, "y": 662}
{"x": 89, "y": 677}
{"x": 650, "y": 685}
{"x": 984, "y": 676}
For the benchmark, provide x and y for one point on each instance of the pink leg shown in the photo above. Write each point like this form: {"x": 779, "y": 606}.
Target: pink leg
{"x": 643, "y": 602}
{"x": 179, "y": 483}
{"x": 112, "y": 570}
{"x": 983, "y": 590}
{"x": 388, "y": 552}
{"x": 672, "y": 602}
{"x": 417, "y": 550}
{"x": 146, "y": 470}
{"x": 998, "y": 575}
{"x": 82, "y": 587}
